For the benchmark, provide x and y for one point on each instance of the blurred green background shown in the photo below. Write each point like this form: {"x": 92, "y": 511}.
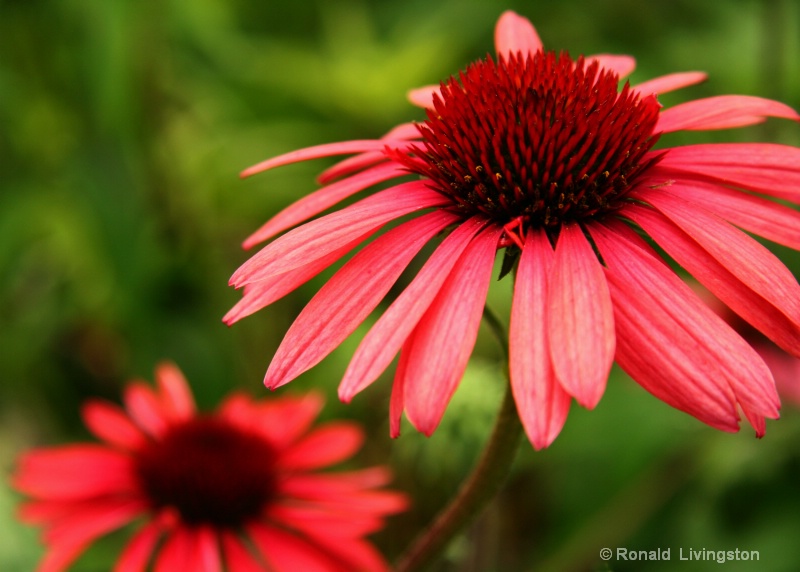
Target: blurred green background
{"x": 123, "y": 126}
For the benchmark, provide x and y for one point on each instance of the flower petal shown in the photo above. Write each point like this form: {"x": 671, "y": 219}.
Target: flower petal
{"x": 144, "y": 408}
{"x": 397, "y": 402}
{"x": 767, "y": 168}
{"x": 513, "y": 34}
{"x": 285, "y": 552}
{"x": 542, "y": 402}
{"x": 73, "y": 472}
{"x": 402, "y": 132}
{"x": 672, "y": 344}
{"x": 446, "y": 334}
{"x": 176, "y": 397}
{"x": 760, "y": 216}
{"x": 258, "y": 295}
{"x": 384, "y": 340}
{"x": 622, "y": 65}
{"x": 722, "y": 112}
{"x": 319, "y": 237}
{"x": 738, "y": 270}
{"x": 317, "y": 152}
{"x": 580, "y": 322}
{"x": 316, "y": 202}
{"x": 237, "y": 556}
{"x": 329, "y": 444}
{"x": 139, "y": 550}
{"x": 349, "y": 296}
{"x": 423, "y": 96}
{"x": 670, "y": 82}
{"x": 109, "y": 423}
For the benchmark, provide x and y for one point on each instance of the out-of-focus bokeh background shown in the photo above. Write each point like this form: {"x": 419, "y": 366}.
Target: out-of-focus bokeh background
{"x": 123, "y": 126}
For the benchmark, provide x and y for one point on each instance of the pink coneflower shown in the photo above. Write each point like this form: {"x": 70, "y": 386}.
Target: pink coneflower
{"x": 546, "y": 157}
{"x": 237, "y": 490}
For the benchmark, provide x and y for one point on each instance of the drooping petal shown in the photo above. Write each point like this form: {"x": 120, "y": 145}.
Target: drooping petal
{"x": 176, "y": 397}
{"x": 384, "y": 340}
{"x": 139, "y": 550}
{"x": 261, "y": 294}
{"x": 580, "y": 321}
{"x": 741, "y": 272}
{"x": 313, "y": 204}
{"x": 542, "y": 402}
{"x": 109, "y": 423}
{"x": 402, "y": 132}
{"x": 513, "y": 34}
{"x": 397, "y": 402}
{"x": 349, "y": 296}
{"x": 672, "y": 344}
{"x": 73, "y": 472}
{"x": 758, "y": 215}
{"x": 722, "y": 112}
{"x": 622, "y": 65}
{"x": 317, "y": 152}
{"x": 237, "y": 556}
{"x": 444, "y": 337}
{"x": 68, "y": 539}
{"x": 766, "y": 168}
{"x": 319, "y": 237}
{"x": 176, "y": 552}
{"x": 670, "y": 82}
{"x": 329, "y": 444}
{"x": 423, "y": 96}
{"x": 284, "y": 552}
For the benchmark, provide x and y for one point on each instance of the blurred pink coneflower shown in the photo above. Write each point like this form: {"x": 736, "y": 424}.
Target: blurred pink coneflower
{"x": 238, "y": 490}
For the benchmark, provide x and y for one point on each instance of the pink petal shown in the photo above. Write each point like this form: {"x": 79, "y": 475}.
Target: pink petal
{"x": 356, "y": 554}
{"x": 620, "y": 64}
{"x": 513, "y": 34}
{"x": 176, "y": 397}
{"x": 312, "y": 519}
{"x": 764, "y": 217}
{"x": 95, "y": 520}
{"x": 741, "y": 272}
{"x": 145, "y": 408}
{"x": 237, "y": 556}
{"x": 176, "y": 552}
{"x": 281, "y": 421}
{"x": 73, "y": 472}
{"x": 317, "y": 152}
{"x": 316, "y": 202}
{"x": 349, "y": 297}
{"x": 763, "y": 167}
{"x": 423, "y": 96}
{"x": 258, "y": 295}
{"x": 109, "y": 423}
{"x": 139, "y": 550}
{"x": 444, "y": 337}
{"x": 580, "y": 322}
{"x": 319, "y": 237}
{"x": 329, "y": 444}
{"x": 285, "y": 552}
{"x": 672, "y": 344}
{"x": 668, "y": 83}
{"x": 205, "y": 554}
{"x": 402, "y": 132}
{"x": 350, "y": 502}
{"x": 722, "y": 112}
{"x": 384, "y": 340}
{"x": 542, "y": 403}
{"x": 338, "y": 483}
{"x": 397, "y": 402}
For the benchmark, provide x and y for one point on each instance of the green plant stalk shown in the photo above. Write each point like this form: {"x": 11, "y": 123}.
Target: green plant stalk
{"x": 480, "y": 487}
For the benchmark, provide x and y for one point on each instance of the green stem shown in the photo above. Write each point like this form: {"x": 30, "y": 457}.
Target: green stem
{"x": 480, "y": 487}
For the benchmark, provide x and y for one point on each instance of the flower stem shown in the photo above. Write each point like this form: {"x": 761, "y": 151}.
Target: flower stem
{"x": 480, "y": 487}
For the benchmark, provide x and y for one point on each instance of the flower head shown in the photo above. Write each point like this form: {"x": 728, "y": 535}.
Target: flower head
{"x": 240, "y": 486}
{"x": 546, "y": 157}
